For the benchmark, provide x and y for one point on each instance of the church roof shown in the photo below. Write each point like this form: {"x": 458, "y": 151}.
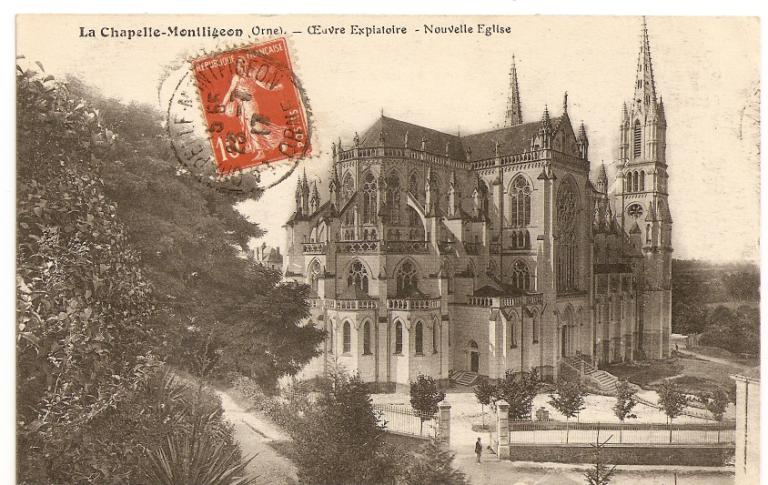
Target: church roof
{"x": 511, "y": 139}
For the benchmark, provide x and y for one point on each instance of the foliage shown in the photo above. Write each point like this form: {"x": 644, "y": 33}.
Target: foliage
{"x": 715, "y": 402}
{"x": 425, "y": 396}
{"x": 600, "y": 473}
{"x": 216, "y": 302}
{"x": 734, "y": 330}
{"x": 87, "y": 331}
{"x": 197, "y": 457}
{"x": 484, "y": 392}
{"x": 432, "y": 465}
{"x": 519, "y": 389}
{"x": 339, "y": 440}
{"x": 568, "y": 398}
{"x": 671, "y": 400}
{"x": 625, "y": 401}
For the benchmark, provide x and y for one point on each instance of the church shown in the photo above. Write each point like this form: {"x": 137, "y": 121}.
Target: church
{"x": 444, "y": 254}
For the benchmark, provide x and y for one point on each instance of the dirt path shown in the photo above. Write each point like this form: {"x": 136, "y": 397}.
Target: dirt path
{"x": 254, "y": 434}
{"x": 716, "y": 360}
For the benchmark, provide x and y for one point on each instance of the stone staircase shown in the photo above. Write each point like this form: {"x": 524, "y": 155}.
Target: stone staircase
{"x": 463, "y": 377}
{"x": 603, "y": 381}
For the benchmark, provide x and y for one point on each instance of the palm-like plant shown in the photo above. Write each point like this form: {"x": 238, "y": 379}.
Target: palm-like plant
{"x": 199, "y": 458}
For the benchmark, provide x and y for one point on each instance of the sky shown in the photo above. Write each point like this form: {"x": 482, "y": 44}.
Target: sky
{"x": 706, "y": 69}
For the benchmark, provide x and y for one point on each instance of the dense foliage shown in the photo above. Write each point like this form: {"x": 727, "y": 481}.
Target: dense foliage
{"x": 425, "y": 396}
{"x": 671, "y": 400}
{"x": 626, "y": 400}
{"x": 715, "y": 402}
{"x": 432, "y": 465}
{"x": 719, "y": 301}
{"x": 484, "y": 392}
{"x": 518, "y": 389}
{"x": 340, "y": 440}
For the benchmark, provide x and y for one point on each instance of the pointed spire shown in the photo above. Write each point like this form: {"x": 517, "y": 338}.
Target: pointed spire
{"x": 545, "y": 120}
{"x": 624, "y": 114}
{"x": 645, "y": 87}
{"x": 602, "y": 179}
{"x": 565, "y": 103}
{"x": 514, "y": 115}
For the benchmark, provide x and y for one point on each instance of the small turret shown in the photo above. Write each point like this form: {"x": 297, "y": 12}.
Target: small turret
{"x": 583, "y": 142}
{"x": 602, "y": 179}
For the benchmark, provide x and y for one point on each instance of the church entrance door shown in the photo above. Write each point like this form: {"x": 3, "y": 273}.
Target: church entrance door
{"x": 474, "y": 361}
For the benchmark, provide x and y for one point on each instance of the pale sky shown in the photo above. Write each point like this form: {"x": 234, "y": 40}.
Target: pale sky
{"x": 706, "y": 69}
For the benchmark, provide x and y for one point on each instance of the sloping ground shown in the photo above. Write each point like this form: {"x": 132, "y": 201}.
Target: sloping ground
{"x": 255, "y": 435}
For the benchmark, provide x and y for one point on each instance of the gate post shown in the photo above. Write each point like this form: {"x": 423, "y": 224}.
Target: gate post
{"x": 444, "y": 423}
{"x": 502, "y": 429}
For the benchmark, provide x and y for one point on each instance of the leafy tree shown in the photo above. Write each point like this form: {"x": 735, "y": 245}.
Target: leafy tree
{"x": 568, "y": 400}
{"x": 484, "y": 392}
{"x": 519, "y": 389}
{"x": 715, "y": 402}
{"x": 600, "y": 474}
{"x": 625, "y": 402}
{"x": 340, "y": 440}
{"x": 87, "y": 330}
{"x": 672, "y": 401}
{"x": 192, "y": 239}
{"x": 432, "y": 465}
{"x": 425, "y": 396}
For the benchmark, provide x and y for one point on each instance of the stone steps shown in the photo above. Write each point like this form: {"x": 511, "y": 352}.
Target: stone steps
{"x": 465, "y": 378}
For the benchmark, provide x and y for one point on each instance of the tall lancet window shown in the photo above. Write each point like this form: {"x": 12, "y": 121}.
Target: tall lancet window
{"x": 636, "y": 140}
{"x": 565, "y": 245}
{"x": 369, "y": 198}
{"x": 521, "y": 277}
{"x": 520, "y": 202}
{"x": 393, "y": 198}
{"x": 347, "y": 187}
{"x": 358, "y": 276}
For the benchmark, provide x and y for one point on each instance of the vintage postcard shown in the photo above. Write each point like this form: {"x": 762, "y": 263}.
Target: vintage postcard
{"x": 387, "y": 250}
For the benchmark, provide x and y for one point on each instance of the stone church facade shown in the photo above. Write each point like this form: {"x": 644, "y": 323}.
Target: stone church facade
{"x": 489, "y": 252}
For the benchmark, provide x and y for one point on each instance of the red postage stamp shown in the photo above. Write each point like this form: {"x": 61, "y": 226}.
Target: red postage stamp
{"x": 252, "y": 106}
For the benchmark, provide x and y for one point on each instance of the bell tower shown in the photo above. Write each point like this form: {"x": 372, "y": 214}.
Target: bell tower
{"x": 643, "y": 198}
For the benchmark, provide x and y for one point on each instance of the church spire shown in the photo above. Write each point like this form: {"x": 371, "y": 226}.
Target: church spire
{"x": 645, "y": 87}
{"x": 514, "y": 115}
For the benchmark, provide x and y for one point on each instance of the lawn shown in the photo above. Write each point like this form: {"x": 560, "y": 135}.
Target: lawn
{"x": 644, "y": 373}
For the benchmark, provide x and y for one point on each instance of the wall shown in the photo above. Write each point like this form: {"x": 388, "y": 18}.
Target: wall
{"x": 690, "y": 455}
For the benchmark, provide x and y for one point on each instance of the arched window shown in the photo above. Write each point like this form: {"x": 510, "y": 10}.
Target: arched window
{"x": 347, "y": 187}
{"x": 398, "y": 338}
{"x": 367, "y": 337}
{"x": 330, "y": 337}
{"x": 419, "y": 338}
{"x": 369, "y": 198}
{"x": 566, "y": 240}
{"x": 535, "y": 328}
{"x": 414, "y": 221}
{"x": 636, "y": 140}
{"x": 314, "y": 275}
{"x": 347, "y": 338}
{"x": 406, "y": 278}
{"x": 393, "y": 198}
{"x": 642, "y": 180}
{"x": 520, "y": 276}
{"x": 413, "y": 186}
{"x": 635, "y": 180}
{"x": 435, "y": 340}
{"x": 520, "y": 202}
{"x": 358, "y": 276}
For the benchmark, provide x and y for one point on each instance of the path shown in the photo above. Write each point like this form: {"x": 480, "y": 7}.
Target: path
{"x": 716, "y": 360}
{"x": 254, "y": 434}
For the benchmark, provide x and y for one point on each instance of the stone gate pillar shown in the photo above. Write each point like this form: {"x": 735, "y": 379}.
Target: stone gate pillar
{"x": 444, "y": 423}
{"x": 502, "y": 429}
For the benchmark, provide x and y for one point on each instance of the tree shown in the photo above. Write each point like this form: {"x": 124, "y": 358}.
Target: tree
{"x": 192, "y": 239}
{"x": 625, "y": 402}
{"x": 672, "y": 402}
{"x": 432, "y": 465}
{"x": 341, "y": 439}
{"x": 715, "y": 402}
{"x": 484, "y": 392}
{"x": 425, "y": 396}
{"x": 568, "y": 400}
{"x": 600, "y": 474}
{"x": 519, "y": 389}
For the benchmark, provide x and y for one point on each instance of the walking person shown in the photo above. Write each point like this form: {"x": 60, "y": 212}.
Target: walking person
{"x": 478, "y": 449}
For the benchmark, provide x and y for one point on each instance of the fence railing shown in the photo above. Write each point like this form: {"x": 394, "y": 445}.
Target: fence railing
{"x": 403, "y": 419}
{"x": 555, "y": 432}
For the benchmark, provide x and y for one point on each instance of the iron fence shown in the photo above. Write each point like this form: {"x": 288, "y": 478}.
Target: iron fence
{"x": 399, "y": 418}
{"x": 553, "y": 432}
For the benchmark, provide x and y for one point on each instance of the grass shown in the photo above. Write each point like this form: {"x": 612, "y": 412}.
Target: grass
{"x": 644, "y": 373}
